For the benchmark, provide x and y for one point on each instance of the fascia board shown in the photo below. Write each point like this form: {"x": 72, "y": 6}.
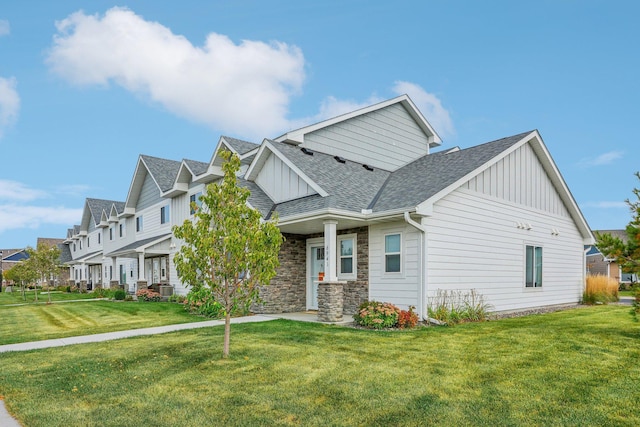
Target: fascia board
{"x": 258, "y": 162}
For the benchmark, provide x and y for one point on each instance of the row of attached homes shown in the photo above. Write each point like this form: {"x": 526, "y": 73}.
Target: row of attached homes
{"x": 370, "y": 211}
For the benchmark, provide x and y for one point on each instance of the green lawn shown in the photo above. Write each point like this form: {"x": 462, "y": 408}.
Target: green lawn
{"x": 577, "y": 367}
{"x": 35, "y": 322}
{"x": 15, "y": 297}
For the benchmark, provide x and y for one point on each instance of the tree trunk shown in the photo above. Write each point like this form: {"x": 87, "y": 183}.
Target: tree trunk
{"x": 227, "y": 333}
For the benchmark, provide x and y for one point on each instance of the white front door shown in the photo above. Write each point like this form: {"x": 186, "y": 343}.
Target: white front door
{"x": 316, "y": 274}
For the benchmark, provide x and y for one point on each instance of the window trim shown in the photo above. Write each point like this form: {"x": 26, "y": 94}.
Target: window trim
{"x": 195, "y": 198}
{"x": 139, "y": 224}
{"x": 354, "y": 256}
{"x": 385, "y": 253}
{"x": 165, "y": 214}
{"x": 535, "y": 279}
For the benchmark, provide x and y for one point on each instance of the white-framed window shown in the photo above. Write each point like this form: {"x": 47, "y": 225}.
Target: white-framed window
{"x": 80, "y": 242}
{"x": 74, "y": 247}
{"x": 533, "y": 266}
{"x": 393, "y": 253}
{"x": 347, "y": 256}
{"x": 163, "y": 268}
{"x": 111, "y": 233}
{"x": 164, "y": 214}
{"x": 139, "y": 223}
{"x": 122, "y": 229}
{"x": 99, "y": 234}
{"x": 88, "y": 242}
{"x": 195, "y": 199}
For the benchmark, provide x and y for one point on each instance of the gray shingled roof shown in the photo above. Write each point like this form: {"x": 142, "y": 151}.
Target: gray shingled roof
{"x": 258, "y": 199}
{"x": 198, "y": 168}
{"x": 137, "y": 244}
{"x": 65, "y": 253}
{"x": 418, "y": 181}
{"x": 164, "y": 171}
{"x": 242, "y": 147}
{"x": 97, "y": 206}
{"x": 350, "y": 186}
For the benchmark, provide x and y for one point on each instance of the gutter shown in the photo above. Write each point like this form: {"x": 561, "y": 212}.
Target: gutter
{"x": 422, "y": 293}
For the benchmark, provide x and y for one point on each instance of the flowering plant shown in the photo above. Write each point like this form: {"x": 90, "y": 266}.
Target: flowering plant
{"x": 377, "y": 315}
{"x": 407, "y": 319}
{"x": 148, "y": 295}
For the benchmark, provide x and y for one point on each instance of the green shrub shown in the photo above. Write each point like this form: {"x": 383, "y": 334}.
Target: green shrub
{"x": 377, "y": 315}
{"x": 119, "y": 294}
{"x": 180, "y": 299}
{"x": 201, "y": 302}
{"x": 452, "y": 307}
{"x": 148, "y": 295}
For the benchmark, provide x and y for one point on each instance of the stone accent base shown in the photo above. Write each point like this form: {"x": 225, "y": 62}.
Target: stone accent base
{"x": 141, "y": 284}
{"x": 83, "y": 286}
{"x": 330, "y": 302}
{"x": 114, "y": 284}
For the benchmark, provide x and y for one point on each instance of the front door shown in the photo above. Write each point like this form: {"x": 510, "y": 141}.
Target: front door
{"x": 316, "y": 271}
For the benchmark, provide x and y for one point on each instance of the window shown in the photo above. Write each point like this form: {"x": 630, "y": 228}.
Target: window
{"x": 111, "y": 272}
{"x": 392, "y": 253}
{"x": 163, "y": 268}
{"x": 122, "y": 229}
{"x": 88, "y": 242}
{"x": 139, "y": 224}
{"x": 99, "y": 234}
{"x": 347, "y": 256}
{"x": 195, "y": 199}
{"x": 80, "y": 244}
{"x": 123, "y": 275}
{"x": 533, "y": 269}
{"x": 164, "y": 214}
{"x": 74, "y": 247}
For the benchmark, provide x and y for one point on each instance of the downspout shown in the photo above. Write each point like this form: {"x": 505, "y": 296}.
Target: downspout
{"x": 422, "y": 292}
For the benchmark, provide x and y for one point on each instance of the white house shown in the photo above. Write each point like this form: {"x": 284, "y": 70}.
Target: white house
{"x": 370, "y": 210}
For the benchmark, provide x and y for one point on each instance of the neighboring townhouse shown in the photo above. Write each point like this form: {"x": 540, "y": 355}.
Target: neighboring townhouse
{"x": 86, "y": 243}
{"x": 597, "y": 263}
{"x": 141, "y": 255}
{"x": 369, "y": 211}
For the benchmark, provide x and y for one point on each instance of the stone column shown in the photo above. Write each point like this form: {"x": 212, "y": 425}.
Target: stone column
{"x": 141, "y": 284}
{"x": 330, "y": 302}
{"x": 114, "y": 284}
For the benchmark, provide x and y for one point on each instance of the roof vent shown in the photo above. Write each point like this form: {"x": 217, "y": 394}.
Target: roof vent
{"x": 340, "y": 159}
{"x": 307, "y": 151}
{"x": 367, "y": 167}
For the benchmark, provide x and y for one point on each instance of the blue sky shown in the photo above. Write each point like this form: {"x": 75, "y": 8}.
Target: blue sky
{"x": 85, "y": 87}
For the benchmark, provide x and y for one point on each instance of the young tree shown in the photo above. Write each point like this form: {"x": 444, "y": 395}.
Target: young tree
{"x": 45, "y": 261}
{"x": 626, "y": 253}
{"x": 228, "y": 249}
{"x": 23, "y": 274}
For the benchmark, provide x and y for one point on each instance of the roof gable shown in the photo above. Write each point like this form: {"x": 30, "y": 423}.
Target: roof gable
{"x": 162, "y": 172}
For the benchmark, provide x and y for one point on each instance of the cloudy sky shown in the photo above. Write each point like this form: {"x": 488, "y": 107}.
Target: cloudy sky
{"x": 85, "y": 87}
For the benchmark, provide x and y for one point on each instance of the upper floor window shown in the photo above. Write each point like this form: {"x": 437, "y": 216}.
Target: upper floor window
{"x": 164, "y": 214}
{"x": 74, "y": 247}
{"x": 139, "y": 223}
{"x": 392, "y": 253}
{"x": 88, "y": 242}
{"x": 533, "y": 266}
{"x": 123, "y": 229}
{"x": 80, "y": 242}
{"x": 99, "y": 234}
{"x": 194, "y": 202}
{"x": 111, "y": 233}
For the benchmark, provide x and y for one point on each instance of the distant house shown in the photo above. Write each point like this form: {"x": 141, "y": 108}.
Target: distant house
{"x": 597, "y": 263}
{"x": 371, "y": 212}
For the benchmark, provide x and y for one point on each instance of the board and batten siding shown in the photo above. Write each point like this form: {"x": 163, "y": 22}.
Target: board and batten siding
{"x": 149, "y": 194}
{"x": 280, "y": 182}
{"x": 474, "y": 242}
{"x": 401, "y": 289}
{"x": 387, "y": 139}
{"x": 521, "y": 179}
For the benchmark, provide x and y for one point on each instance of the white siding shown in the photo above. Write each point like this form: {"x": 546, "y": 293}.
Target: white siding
{"x": 386, "y": 139}
{"x": 401, "y": 288}
{"x": 149, "y": 194}
{"x": 520, "y": 178}
{"x": 280, "y": 182}
{"x": 151, "y": 222}
{"x": 474, "y": 243}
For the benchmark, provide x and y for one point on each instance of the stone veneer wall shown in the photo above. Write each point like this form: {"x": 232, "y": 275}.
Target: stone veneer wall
{"x": 287, "y": 291}
{"x": 357, "y": 291}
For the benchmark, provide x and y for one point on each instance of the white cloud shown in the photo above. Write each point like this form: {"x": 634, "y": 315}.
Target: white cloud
{"x": 5, "y": 28}
{"x": 430, "y": 106}
{"x": 13, "y": 216}
{"x": 13, "y": 191}
{"x": 9, "y": 103}
{"x": 239, "y": 88}
{"x": 603, "y": 159}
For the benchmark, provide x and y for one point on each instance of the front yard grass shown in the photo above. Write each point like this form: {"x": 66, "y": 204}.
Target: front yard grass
{"x": 46, "y": 321}
{"x": 576, "y": 367}
{"x": 15, "y": 297}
